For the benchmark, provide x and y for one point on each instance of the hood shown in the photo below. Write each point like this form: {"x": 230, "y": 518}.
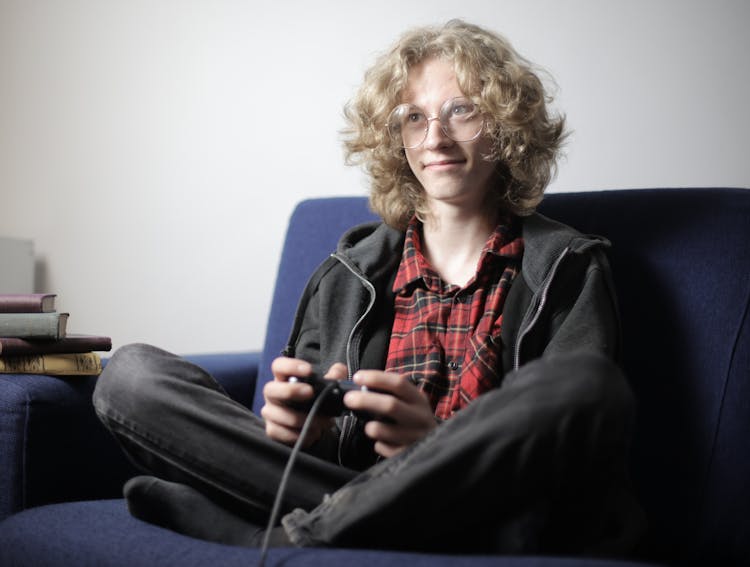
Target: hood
{"x": 373, "y": 248}
{"x": 544, "y": 241}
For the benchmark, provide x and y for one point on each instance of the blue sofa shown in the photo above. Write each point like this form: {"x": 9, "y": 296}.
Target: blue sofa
{"x": 682, "y": 267}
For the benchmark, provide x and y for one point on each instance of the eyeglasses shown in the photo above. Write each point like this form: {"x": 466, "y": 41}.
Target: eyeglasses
{"x": 459, "y": 119}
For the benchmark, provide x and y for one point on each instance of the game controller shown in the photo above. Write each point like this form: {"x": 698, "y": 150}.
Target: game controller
{"x": 333, "y": 404}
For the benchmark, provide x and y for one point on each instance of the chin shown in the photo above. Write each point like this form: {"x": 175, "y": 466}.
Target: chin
{"x": 447, "y": 193}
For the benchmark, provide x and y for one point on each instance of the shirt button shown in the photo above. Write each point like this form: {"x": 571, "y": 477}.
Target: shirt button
{"x": 453, "y": 365}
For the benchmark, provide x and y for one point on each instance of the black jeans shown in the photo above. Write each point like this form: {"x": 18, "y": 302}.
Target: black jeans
{"x": 536, "y": 466}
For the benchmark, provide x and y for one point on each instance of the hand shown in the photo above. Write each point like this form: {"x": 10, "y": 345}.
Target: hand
{"x": 283, "y": 423}
{"x": 407, "y": 409}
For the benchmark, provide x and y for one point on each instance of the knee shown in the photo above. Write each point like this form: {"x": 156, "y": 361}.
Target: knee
{"x": 126, "y": 380}
{"x": 599, "y": 401}
{"x": 595, "y": 380}
{"x": 584, "y": 384}
{"x": 580, "y": 374}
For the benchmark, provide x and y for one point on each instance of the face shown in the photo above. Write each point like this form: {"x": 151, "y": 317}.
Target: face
{"x": 450, "y": 172}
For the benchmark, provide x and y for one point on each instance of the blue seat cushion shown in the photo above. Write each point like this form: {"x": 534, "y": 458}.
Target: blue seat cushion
{"x": 103, "y": 534}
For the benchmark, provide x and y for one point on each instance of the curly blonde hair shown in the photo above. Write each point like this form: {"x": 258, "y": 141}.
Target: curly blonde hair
{"x": 525, "y": 138}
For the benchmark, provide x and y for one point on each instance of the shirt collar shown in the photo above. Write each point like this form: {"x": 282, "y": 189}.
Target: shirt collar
{"x": 504, "y": 242}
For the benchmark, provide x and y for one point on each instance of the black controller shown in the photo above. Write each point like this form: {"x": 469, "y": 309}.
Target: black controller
{"x": 333, "y": 404}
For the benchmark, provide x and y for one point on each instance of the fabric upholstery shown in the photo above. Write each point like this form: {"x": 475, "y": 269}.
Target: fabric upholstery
{"x": 103, "y": 534}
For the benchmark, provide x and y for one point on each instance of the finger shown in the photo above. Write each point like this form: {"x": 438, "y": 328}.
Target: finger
{"x": 386, "y": 450}
{"x": 393, "y": 434}
{"x": 291, "y": 417}
{"x": 290, "y": 436}
{"x": 338, "y": 371}
{"x": 395, "y": 384}
{"x": 283, "y": 416}
{"x": 383, "y": 405}
{"x": 286, "y": 392}
{"x": 285, "y": 425}
{"x": 283, "y": 367}
{"x": 396, "y": 422}
{"x": 389, "y": 408}
{"x": 389, "y": 434}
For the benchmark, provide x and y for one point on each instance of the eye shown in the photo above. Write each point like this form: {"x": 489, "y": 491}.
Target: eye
{"x": 462, "y": 108}
{"x": 414, "y": 117}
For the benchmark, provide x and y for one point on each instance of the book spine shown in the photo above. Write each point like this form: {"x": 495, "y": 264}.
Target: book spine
{"x": 33, "y": 325}
{"x": 82, "y": 364}
{"x": 72, "y": 343}
{"x": 27, "y": 302}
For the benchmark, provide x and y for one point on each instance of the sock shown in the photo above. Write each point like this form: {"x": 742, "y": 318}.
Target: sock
{"x": 183, "y": 509}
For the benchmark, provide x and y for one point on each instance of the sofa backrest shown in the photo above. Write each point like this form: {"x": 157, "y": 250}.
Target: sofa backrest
{"x": 682, "y": 269}
{"x": 681, "y": 264}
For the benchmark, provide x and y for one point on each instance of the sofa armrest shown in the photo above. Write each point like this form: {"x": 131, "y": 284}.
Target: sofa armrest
{"x": 237, "y": 372}
{"x": 53, "y": 447}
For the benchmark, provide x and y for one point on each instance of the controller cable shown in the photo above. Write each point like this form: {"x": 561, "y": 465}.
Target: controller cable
{"x": 288, "y": 470}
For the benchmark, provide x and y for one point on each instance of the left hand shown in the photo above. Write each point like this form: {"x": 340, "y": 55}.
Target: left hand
{"x": 408, "y": 410}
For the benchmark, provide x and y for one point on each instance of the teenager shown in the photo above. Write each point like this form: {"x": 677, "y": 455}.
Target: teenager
{"x": 486, "y": 336}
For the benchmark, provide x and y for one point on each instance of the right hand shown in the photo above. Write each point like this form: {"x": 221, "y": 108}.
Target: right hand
{"x": 283, "y": 423}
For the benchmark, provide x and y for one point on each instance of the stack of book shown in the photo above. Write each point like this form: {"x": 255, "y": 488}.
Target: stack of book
{"x": 33, "y": 339}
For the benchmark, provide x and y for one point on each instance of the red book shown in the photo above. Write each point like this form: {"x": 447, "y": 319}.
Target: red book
{"x": 27, "y": 302}
{"x": 69, "y": 345}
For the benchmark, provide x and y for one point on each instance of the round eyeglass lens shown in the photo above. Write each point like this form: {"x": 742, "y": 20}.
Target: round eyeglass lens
{"x": 459, "y": 119}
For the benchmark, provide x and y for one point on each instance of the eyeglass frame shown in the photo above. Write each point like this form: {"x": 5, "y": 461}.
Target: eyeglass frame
{"x": 429, "y": 119}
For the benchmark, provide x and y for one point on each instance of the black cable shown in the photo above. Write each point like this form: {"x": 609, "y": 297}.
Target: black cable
{"x": 288, "y": 471}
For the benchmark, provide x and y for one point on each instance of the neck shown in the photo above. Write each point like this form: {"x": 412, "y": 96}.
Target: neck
{"x": 453, "y": 242}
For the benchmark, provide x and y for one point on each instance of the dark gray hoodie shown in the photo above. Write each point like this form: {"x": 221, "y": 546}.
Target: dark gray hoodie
{"x": 562, "y": 301}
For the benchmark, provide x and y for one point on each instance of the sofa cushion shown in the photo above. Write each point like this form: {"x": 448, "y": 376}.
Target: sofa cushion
{"x": 103, "y": 534}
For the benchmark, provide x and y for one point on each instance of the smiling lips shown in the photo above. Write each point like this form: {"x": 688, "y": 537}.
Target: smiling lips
{"x": 440, "y": 163}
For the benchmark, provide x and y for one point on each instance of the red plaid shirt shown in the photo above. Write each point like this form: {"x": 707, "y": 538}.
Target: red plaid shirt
{"x": 446, "y": 338}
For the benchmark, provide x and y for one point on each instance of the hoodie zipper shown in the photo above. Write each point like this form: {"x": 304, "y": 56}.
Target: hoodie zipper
{"x": 366, "y": 283}
{"x": 539, "y": 307}
{"x": 348, "y": 425}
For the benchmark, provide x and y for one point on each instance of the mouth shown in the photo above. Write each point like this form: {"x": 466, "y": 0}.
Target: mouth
{"x": 443, "y": 163}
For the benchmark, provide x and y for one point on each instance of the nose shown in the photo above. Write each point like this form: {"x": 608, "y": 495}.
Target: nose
{"x": 436, "y": 136}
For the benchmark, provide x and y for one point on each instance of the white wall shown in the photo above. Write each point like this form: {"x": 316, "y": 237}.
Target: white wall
{"x": 153, "y": 149}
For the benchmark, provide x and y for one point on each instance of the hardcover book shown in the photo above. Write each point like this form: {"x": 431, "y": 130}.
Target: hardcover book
{"x": 33, "y": 325}
{"x": 81, "y": 364}
{"x": 72, "y": 343}
{"x": 27, "y": 302}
